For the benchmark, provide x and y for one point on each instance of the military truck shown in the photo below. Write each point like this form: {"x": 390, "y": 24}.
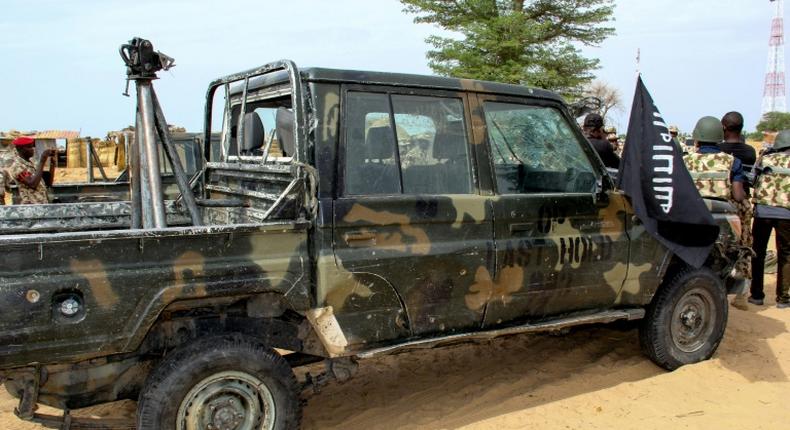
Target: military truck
{"x": 403, "y": 212}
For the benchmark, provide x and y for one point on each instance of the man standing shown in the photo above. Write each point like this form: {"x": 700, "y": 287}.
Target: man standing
{"x": 720, "y": 176}
{"x": 673, "y": 131}
{"x": 716, "y": 174}
{"x": 614, "y": 140}
{"x": 772, "y": 211}
{"x": 6, "y": 158}
{"x": 732, "y": 124}
{"x": 29, "y": 177}
{"x": 594, "y": 132}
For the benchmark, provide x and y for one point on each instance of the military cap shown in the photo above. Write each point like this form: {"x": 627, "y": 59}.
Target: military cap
{"x": 23, "y": 141}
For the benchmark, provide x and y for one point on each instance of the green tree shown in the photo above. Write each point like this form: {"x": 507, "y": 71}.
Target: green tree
{"x": 527, "y": 42}
{"x": 774, "y": 121}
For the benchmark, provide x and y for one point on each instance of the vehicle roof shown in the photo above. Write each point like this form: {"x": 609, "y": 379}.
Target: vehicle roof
{"x": 318, "y": 74}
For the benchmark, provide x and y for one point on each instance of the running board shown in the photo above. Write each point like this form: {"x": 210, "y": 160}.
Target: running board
{"x": 553, "y": 325}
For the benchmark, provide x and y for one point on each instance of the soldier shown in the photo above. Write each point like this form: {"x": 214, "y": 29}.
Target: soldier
{"x": 6, "y": 157}
{"x": 772, "y": 211}
{"x": 720, "y": 176}
{"x": 673, "y": 131}
{"x": 732, "y": 123}
{"x": 611, "y": 136}
{"x": 593, "y": 130}
{"x": 29, "y": 177}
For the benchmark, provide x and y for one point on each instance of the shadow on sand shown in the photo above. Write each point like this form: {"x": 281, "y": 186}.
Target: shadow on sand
{"x": 465, "y": 384}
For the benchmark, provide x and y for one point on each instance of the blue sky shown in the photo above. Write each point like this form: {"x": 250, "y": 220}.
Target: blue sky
{"x": 60, "y": 67}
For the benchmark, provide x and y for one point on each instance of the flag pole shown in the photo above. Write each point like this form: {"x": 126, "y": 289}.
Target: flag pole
{"x": 638, "y": 61}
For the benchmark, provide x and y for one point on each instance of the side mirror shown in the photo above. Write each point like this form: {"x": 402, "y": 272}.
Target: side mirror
{"x": 600, "y": 197}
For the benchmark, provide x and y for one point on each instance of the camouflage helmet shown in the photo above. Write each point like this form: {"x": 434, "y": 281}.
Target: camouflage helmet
{"x": 708, "y": 129}
{"x": 782, "y": 140}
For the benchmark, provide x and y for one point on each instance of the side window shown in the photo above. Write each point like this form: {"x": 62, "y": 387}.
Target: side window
{"x": 267, "y": 125}
{"x": 371, "y": 164}
{"x": 425, "y": 153}
{"x": 535, "y": 150}
{"x": 432, "y": 145}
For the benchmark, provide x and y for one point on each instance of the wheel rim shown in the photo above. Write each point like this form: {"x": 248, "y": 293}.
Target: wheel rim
{"x": 693, "y": 319}
{"x": 227, "y": 401}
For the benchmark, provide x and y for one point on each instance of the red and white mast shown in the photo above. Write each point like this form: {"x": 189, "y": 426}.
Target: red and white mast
{"x": 774, "y": 96}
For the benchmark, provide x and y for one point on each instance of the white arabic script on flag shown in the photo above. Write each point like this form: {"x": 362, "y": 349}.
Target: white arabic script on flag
{"x": 664, "y": 166}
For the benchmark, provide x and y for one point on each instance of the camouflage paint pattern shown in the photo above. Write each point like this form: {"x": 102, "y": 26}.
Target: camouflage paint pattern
{"x": 7, "y": 155}
{"x": 711, "y": 173}
{"x": 124, "y": 279}
{"x": 364, "y": 272}
{"x": 743, "y": 262}
{"x": 773, "y": 188}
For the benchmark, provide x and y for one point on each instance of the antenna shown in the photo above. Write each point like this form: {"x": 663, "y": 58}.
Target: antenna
{"x": 774, "y": 96}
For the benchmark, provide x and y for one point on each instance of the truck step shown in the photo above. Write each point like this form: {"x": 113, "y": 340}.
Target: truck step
{"x": 547, "y": 326}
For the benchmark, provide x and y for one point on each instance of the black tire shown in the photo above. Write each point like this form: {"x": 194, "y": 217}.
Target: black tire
{"x": 218, "y": 380}
{"x": 685, "y": 322}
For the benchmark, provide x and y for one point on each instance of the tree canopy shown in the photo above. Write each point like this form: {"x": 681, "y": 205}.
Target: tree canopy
{"x": 527, "y": 42}
{"x": 774, "y": 121}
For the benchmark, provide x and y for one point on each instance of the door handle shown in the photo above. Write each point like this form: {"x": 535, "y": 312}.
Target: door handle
{"x": 525, "y": 227}
{"x": 359, "y": 238}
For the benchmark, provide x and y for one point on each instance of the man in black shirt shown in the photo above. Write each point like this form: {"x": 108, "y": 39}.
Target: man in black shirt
{"x": 593, "y": 130}
{"x": 732, "y": 123}
{"x": 733, "y": 143}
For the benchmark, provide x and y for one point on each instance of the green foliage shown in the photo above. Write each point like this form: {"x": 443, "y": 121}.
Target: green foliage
{"x": 754, "y": 136}
{"x": 527, "y": 42}
{"x": 774, "y": 121}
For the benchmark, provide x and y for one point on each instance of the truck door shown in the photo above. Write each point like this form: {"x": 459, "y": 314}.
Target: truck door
{"x": 409, "y": 216}
{"x": 559, "y": 232}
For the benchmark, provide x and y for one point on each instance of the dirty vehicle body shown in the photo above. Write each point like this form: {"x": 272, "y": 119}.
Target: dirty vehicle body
{"x": 401, "y": 212}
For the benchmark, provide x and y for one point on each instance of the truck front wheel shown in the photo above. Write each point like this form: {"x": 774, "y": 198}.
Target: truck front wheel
{"x": 686, "y": 320}
{"x": 227, "y": 382}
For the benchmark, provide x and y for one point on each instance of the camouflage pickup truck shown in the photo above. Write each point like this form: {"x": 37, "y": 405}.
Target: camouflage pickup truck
{"x": 343, "y": 215}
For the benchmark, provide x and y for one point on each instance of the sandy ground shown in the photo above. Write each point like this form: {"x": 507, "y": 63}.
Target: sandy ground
{"x": 592, "y": 378}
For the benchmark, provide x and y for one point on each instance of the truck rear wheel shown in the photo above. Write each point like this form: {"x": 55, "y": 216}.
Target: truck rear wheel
{"x": 217, "y": 383}
{"x": 686, "y": 320}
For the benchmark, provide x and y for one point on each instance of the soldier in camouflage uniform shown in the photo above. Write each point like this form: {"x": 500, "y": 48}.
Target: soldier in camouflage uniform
{"x": 720, "y": 176}
{"x": 6, "y": 157}
{"x": 772, "y": 211}
{"x": 29, "y": 177}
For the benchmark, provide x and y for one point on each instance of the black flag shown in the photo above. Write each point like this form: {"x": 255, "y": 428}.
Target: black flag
{"x": 661, "y": 190}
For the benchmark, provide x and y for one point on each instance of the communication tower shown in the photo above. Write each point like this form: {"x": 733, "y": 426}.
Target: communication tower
{"x": 774, "y": 96}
